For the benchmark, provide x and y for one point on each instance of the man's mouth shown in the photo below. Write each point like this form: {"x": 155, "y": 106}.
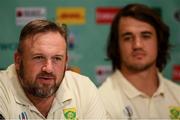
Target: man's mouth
{"x": 46, "y": 79}
{"x": 138, "y": 55}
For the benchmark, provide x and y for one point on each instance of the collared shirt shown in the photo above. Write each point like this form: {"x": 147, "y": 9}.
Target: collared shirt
{"x": 76, "y": 98}
{"x": 123, "y": 100}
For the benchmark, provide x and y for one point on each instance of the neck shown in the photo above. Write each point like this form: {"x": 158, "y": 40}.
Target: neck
{"x": 42, "y": 104}
{"x": 145, "y": 81}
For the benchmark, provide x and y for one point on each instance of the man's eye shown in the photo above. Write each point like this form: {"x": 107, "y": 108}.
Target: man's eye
{"x": 127, "y": 38}
{"x": 57, "y": 59}
{"x": 146, "y": 37}
{"x": 38, "y": 57}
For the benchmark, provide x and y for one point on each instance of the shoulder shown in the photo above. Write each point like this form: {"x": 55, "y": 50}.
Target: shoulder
{"x": 174, "y": 89}
{"x": 173, "y": 86}
{"x": 7, "y": 79}
{"x": 78, "y": 81}
{"x": 85, "y": 94}
{"x": 111, "y": 83}
{"x": 170, "y": 86}
{"x": 107, "y": 93}
{"x": 5, "y": 76}
{"x": 109, "y": 88}
{"x": 106, "y": 85}
{"x": 169, "y": 83}
{"x": 6, "y": 95}
{"x": 74, "y": 77}
{"x": 9, "y": 73}
{"x": 111, "y": 95}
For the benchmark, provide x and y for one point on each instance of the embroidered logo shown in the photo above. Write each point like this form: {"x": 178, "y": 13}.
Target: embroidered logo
{"x": 70, "y": 113}
{"x": 174, "y": 112}
{"x": 23, "y": 116}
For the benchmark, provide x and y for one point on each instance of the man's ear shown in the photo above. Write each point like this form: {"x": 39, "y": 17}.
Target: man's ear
{"x": 17, "y": 59}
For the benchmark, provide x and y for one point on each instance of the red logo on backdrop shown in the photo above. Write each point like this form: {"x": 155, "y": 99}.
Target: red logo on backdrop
{"x": 105, "y": 15}
{"x": 176, "y": 73}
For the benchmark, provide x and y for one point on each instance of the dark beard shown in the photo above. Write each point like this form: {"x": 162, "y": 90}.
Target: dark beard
{"x": 42, "y": 91}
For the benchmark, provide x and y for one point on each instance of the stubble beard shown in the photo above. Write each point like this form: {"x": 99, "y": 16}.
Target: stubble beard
{"x": 138, "y": 67}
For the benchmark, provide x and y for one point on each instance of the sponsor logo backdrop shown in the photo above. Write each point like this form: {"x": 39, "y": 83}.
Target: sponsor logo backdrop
{"x": 88, "y": 26}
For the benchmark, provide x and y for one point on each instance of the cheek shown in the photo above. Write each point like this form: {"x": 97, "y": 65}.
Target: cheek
{"x": 60, "y": 72}
{"x": 155, "y": 52}
{"x": 124, "y": 51}
{"x": 153, "y": 49}
{"x": 31, "y": 70}
{"x": 60, "y": 68}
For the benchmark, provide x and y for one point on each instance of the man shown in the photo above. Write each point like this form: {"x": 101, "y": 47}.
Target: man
{"x": 38, "y": 86}
{"x": 138, "y": 48}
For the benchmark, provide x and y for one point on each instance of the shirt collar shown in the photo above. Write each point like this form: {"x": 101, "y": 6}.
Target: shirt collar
{"x": 161, "y": 88}
{"x": 131, "y": 91}
{"x": 126, "y": 86}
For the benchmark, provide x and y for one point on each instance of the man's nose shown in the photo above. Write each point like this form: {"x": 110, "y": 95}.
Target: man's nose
{"x": 138, "y": 43}
{"x": 48, "y": 66}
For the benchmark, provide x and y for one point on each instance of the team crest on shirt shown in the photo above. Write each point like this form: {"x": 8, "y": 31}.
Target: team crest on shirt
{"x": 70, "y": 113}
{"x": 174, "y": 112}
{"x": 23, "y": 116}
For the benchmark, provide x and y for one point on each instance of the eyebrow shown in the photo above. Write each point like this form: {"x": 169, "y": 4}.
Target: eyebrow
{"x": 57, "y": 55}
{"x": 130, "y": 33}
{"x": 125, "y": 34}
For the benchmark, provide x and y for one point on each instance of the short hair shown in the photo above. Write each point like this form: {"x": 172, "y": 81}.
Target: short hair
{"x": 146, "y": 14}
{"x": 40, "y": 26}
